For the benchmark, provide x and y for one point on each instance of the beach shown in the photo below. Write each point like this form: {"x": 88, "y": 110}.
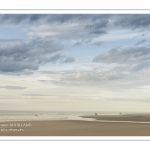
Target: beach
{"x": 127, "y": 117}
{"x": 79, "y": 127}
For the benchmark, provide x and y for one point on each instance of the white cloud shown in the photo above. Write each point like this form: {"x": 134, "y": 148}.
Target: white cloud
{"x": 65, "y": 30}
{"x": 124, "y": 55}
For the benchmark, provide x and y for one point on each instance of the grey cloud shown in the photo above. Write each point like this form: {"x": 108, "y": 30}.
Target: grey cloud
{"x": 68, "y": 60}
{"x": 88, "y": 41}
{"x": 148, "y": 44}
{"x": 124, "y": 55}
{"x": 140, "y": 42}
{"x": 79, "y": 26}
{"x": 95, "y": 24}
{"x": 94, "y": 76}
{"x": 78, "y": 43}
{"x": 83, "y": 41}
{"x": 50, "y": 18}
{"x": 13, "y": 87}
{"x": 18, "y": 55}
{"x": 55, "y": 58}
{"x": 56, "y": 82}
{"x": 133, "y": 20}
{"x": 61, "y": 58}
{"x": 43, "y": 46}
{"x": 45, "y": 80}
{"x": 144, "y": 34}
{"x": 33, "y": 95}
{"x": 17, "y": 47}
{"x": 98, "y": 25}
{"x": 99, "y": 32}
{"x": 135, "y": 37}
{"x": 140, "y": 66}
{"x": 97, "y": 76}
{"x": 60, "y": 25}
{"x": 99, "y": 43}
{"x": 94, "y": 21}
{"x": 132, "y": 68}
{"x": 10, "y": 65}
{"x": 19, "y": 18}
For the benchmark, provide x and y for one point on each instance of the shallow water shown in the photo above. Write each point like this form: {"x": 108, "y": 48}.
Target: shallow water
{"x": 49, "y": 115}
{"x": 56, "y": 115}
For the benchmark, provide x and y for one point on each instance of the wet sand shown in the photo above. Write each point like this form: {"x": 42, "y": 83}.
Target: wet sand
{"x": 81, "y": 128}
{"x": 132, "y": 117}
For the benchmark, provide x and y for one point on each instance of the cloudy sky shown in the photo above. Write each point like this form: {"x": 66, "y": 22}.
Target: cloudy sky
{"x": 79, "y": 62}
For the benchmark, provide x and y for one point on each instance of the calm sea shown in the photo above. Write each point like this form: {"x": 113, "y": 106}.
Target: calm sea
{"x": 49, "y": 115}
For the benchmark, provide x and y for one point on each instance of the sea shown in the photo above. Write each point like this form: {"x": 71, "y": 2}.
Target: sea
{"x": 49, "y": 115}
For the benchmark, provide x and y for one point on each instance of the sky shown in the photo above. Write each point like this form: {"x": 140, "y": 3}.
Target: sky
{"x": 75, "y": 62}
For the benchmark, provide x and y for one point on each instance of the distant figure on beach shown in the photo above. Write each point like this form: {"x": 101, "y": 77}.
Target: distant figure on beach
{"x": 120, "y": 113}
{"x": 95, "y": 114}
{"x": 36, "y": 114}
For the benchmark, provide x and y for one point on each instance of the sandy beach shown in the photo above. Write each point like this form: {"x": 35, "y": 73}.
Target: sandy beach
{"x": 79, "y": 128}
{"x": 129, "y": 117}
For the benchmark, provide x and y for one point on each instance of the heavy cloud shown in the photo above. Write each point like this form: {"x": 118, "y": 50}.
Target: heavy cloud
{"x": 140, "y": 42}
{"x": 18, "y": 55}
{"x": 94, "y": 21}
{"x": 49, "y": 18}
{"x": 124, "y": 55}
{"x": 98, "y": 43}
{"x": 133, "y": 21}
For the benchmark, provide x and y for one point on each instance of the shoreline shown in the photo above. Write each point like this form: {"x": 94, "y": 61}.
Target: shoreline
{"x": 121, "y": 118}
{"x": 79, "y": 127}
{"x": 126, "y": 118}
